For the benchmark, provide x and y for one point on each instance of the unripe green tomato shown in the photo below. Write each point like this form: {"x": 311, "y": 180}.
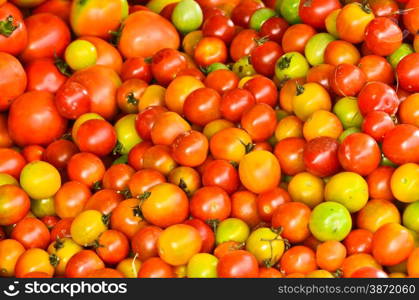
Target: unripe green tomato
{"x": 216, "y": 66}
{"x": 126, "y": 133}
{"x": 243, "y": 67}
{"x": 395, "y": 57}
{"x": 260, "y": 16}
{"x": 187, "y": 16}
{"x": 330, "y": 221}
{"x": 347, "y": 110}
{"x": 289, "y": 10}
{"x": 330, "y": 23}
{"x": 7, "y": 179}
{"x": 411, "y": 216}
{"x": 43, "y": 207}
{"x": 348, "y": 132}
{"x": 316, "y": 46}
{"x": 80, "y": 54}
{"x": 291, "y": 65}
{"x": 202, "y": 265}
{"x": 232, "y": 229}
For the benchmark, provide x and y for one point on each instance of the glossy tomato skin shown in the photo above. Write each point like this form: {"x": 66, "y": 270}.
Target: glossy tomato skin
{"x": 210, "y": 203}
{"x": 235, "y": 102}
{"x": 263, "y": 89}
{"x": 14, "y": 204}
{"x": 219, "y": 26}
{"x": 359, "y": 153}
{"x": 238, "y": 264}
{"x": 166, "y": 64}
{"x": 358, "y": 241}
{"x": 11, "y": 162}
{"x": 48, "y": 36}
{"x": 268, "y": 202}
{"x": 407, "y": 72}
{"x": 243, "y": 44}
{"x": 82, "y": 263}
{"x": 144, "y": 242}
{"x": 86, "y": 168}
{"x": 97, "y": 137}
{"x": 139, "y": 37}
{"x": 347, "y": 80}
{"x": 13, "y": 42}
{"x": 206, "y": 233}
{"x": 264, "y": 57}
{"x": 34, "y": 119}
{"x": 136, "y": 67}
{"x": 190, "y": 148}
{"x": 14, "y": 84}
{"x": 376, "y": 68}
{"x": 410, "y": 19}
{"x": 31, "y": 233}
{"x": 377, "y": 124}
{"x": 296, "y": 37}
{"x": 383, "y": 36}
{"x": 259, "y": 121}
{"x": 59, "y": 152}
{"x": 243, "y": 11}
{"x": 378, "y": 96}
{"x": 221, "y": 173}
{"x": 379, "y": 183}
{"x": 314, "y": 13}
{"x": 43, "y": 75}
{"x": 321, "y": 156}
{"x": 274, "y": 28}
{"x": 202, "y": 106}
{"x": 400, "y": 144}
{"x": 210, "y": 50}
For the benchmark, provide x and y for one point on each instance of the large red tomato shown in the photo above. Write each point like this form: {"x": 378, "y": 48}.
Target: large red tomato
{"x": 13, "y": 38}
{"x": 144, "y": 33}
{"x": 12, "y": 85}
{"x": 314, "y": 12}
{"x": 401, "y": 144}
{"x": 34, "y": 119}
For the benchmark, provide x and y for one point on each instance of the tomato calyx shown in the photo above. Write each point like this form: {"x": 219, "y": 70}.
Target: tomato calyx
{"x": 235, "y": 164}
{"x": 144, "y": 196}
{"x": 284, "y": 63}
{"x": 7, "y": 27}
{"x": 213, "y": 223}
{"x": 137, "y": 212}
{"x": 131, "y": 99}
{"x": 299, "y": 89}
{"x": 54, "y": 260}
{"x": 96, "y": 244}
{"x": 106, "y": 219}
{"x": 118, "y": 148}
{"x": 126, "y": 193}
{"x": 182, "y": 184}
{"x": 248, "y": 147}
{"x": 97, "y": 186}
{"x": 58, "y": 244}
{"x": 116, "y": 35}
{"x": 261, "y": 41}
{"x": 62, "y": 66}
{"x": 365, "y": 7}
{"x": 338, "y": 273}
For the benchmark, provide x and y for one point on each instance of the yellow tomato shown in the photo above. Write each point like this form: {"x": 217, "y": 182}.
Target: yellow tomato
{"x": 178, "y": 90}
{"x": 266, "y": 245}
{"x": 178, "y": 243}
{"x": 61, "y": 251}
{"x": 215, "y": 126}
{"x": 126, "y": 133}
{"x": 7, "y": 179}
{"x": 10, "y": 251}
{"x": 319, "y": 274}
{"x": 260, "y": 171}
{"x": 40, "y": 180}
{"x": 153, "y": 95}
{"x": 190, "y": 40}
{"x": 158, "y": 5}
{"x": 87, "y": 227}
{"x": 306, "y": 188}
{"x": 376, "y": 213}
{"x": 405, "y": 183}
{"x": 80, "y": 54}
{"x": 322, "y": 123}
{"x": 202, "y": 265}
{"x": 129, "y": 267}
{"x": 80, "y": 120}
{"x": 180, "y": 271}
{"x": 331, "y": 22}
{"x": 309, "y": 98}
{"x": 290, "y": 126}
{"x": 348, "y": 189}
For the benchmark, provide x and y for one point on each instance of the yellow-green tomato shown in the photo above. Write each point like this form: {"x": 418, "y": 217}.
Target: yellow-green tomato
{"x": 348, "y": 189}
{"x": 232, "y": 229}
{"x": 87, "y": 227}
{"x": 80, "y": 54}
{"x": 7, "y": 179}
{"x": 202, "y": 265}
{"x": 40, "y": 180}
{"x": 266, "y": 245}
{"x": 158, "y": 5}
{"x": 291, "y": 65}
{"x": 43, "y": 207}
{"x": 126, "y": 133}
{"x": 61, "y": 251}
{"x": 411, "y": 216}
{"x": 316, "y": 46}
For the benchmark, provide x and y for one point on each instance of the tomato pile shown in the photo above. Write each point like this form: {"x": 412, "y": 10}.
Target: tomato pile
{"x": 209, "y": 138}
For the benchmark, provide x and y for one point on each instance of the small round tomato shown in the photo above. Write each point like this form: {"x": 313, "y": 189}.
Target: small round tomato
{"x": 289, "y": 153}
{"x": 243, "y": 44}
{"x": 330, "y": 221}
{"x": 409, "y": 216}
{"x": 155, "y": 267}
{"x": 126, "y": 217}
{"x": 231, "y": 229}
{"x": 83, "y": 263}
{"x": 61, "y": 250}
{"x": 129, "y": 95}
{"x": 404, "y": 183}
{"x": 378, "y": 96}
{"x": 259, "y": 121}
{"x": 358, "y": 241}
{"x": 383, "y": 36}
{"x": 244, "y": 206}
{"x": 178, "y": 244}
{"x": 376, "y": 68}
{"x": 221, "y": 173}
{"x": 88, "y": 226}
{"x": 263, "y": 89}
{"x": 210, "y": 203}
{"x": 322, "y": 123}
{"x": 377, "y": 124}
{"x": 376, "y": 213}
{"x": 230, "y": 144}
{"x": 369, "y": 272}
{"x": 341, "y": 52}
{"x": 330, "y": 255}
{"x": 33, "y": 260}
{"x": 112, "y": 246}
{"x": 298, "y": 259}
{"x": 269, "y": 201}
{"x": 314, "y": 13}
{"x": 347, "y": 80}
{"x": 296, "y": 37}
{"x": 266, "y": 245}
{"x": 86, "y": 168}
{"x": 40, "y": 180}
{"x": 379, "y": 183}
{"x": 407, "y": 72}
{"x": 11, "y": 162}
{"x": 14, "y": 204}
{"x": 274, "y": 28}
{"x": 13, "y": 34}
{"x": 97, "y": 137}
{"x": 306, "y": 188}
{"x": 126, "y": 133}
{"x": 238, "y": 264}
{"x": 321, "y": 156}
{"x": 264, "y": 57}
{"x": 409, "y": 110}
{"x": 202, "y": 106}
{"x": 44, "y": 75}
{"x": 354, "y": 262}
{"x": 10, "y": 251}
{"x": 144, "y": 242}
{"x": 400, "y": 144}
{"x": 202, "y": 265}
{"x": 166, "y": 64}
{"x": 316, "y": 47}
{"x": 292, "y": 218}
{"x": 210, "y": 50}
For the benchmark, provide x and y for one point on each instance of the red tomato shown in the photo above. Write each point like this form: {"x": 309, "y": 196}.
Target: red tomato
{"x": 113, "y": 246}
{"x": 206, "y": 233}
{"x": 11, "y": 162}
{"x": 289, "y": 152}
{"x": 210, "y": 50}
{"x": 86, "y": 168}
{"x": 34, "y": 119}
{"x": 377, "y": 124}
{"x": 44, "y": 75}
{"x": 314, "y": 12}
{"x": 104, "y": 201}
{"x": 166, "y": 64}
{"x": 268, "y": 202}
{"x": 219, "y": 26}
{"x": 298, "y": 259}
{"x": 14, "y": 204}
{"x": 264, "y": 57}
{"x": 70, "y": 199}
{"x": 244, "y": 10}
{"x": 274, "y": 28}
{"x": 321, "y": 156}
{"x": 238, "y": 264}
{"x": 13, "y": 38}
{"x": 259, "y": 121}
{"x": 359, "y": 153}
{"x": 235, "y": 102}
{"x": 379, "y": 183}
{"x": 135, "y": 156}
{"x": 378, "y": 96}
{"x": 136, "y": 67}
{"x": 155, "y": 267}
{"x": 33, "y": 152}
{"x": 400, "y": 144}
{"x": 408, "y": 72}
{"x": 376, "y": 68}
{"x": 347, "y": 80}
{"x": 293, "y": 218}
{"x": 222, "y": 80}
{"x": 369, "y": 272}
{"x": 14, "y": 84}
{"x": 221, "y": 173}
{"x": 263, "y": 89}
{"x": 244, "y": 207}
{"x": 83, "y": 263}
{"x": 144, "y": 242}
{"x": 202, "y": 106}
{"x": 48, "y": 36}
{"x": 411, "y": 16}
{"x": 210, "y": 203}
{"x": 31, "y": 233}
{"x": 190, "y": 148}
{"x": 358, "y": 241}
{"x": 117, "y": 177}
{"x": 60, "y": 8}
{"x": 243, "y": 44}
{"x": 383, "y": 36}
{"x": 97, "y": 137}
{"x": 58, "y": 153}
{"x": 296, "y": 37}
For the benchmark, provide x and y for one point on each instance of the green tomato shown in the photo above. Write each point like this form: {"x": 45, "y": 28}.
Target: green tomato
{"x": 7, "y": 179}
{"x": 187, "y": 16}
{"x": 348, "y": 189}
{"x": 43, "y": 207}
{"x": 316, "y": 46}
{"x": 216, "y": 66}
{"x": 291, "y": 65}
{"x": 289, "y": 10}
{"x": 330, "y": 221}
{"x": 40, "y": 180}
{"x": 347, "y": 110}
{"x": 330, "y": 23}
{"x": 80, "y": 54}
{"x": 260, "y": 16}
{"x": 231, "y": 229}
{"x": 266, "y": 245}
{"x": 126, "y": 133}
{"x": 411, "y": 216}
{"x": 395, "y": 57}
{"x": 243, "y": 67}
{"x": 202, "y": 265}
{"x": 348, "y": 132}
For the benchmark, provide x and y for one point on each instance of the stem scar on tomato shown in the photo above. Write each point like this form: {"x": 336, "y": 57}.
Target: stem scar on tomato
{"x": 7, "y": 27}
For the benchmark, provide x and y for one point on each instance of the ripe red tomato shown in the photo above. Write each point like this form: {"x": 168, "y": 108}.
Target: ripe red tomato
{"x": 117, "y": 177}
{"x": 274, "y": 28}
{"x": 358, "y": 241}
{"x": 321, "y": 156}
{"x": 378, "y": 96}
{"x": 31, "y": 233}
{"x": 219, "y": 26}
{"x": 113, "y": 246}
{"x": 259, "y": 121}
{"x": 210, "y": 50}
{"x": 235, "y": 102}
{"x": 97, "y": 137}
{"x": 44, "y": 75}
{"x": 238, "y": 264}
{"x": 59, "y": 152}
{"x": 166, "y": 64}
{"x": 86, "y": 168}
{"x": 314, "y": 12}
{"x": 408, "y": 71}
{"x": 144, "y": 242}
{"x": 34, "y": 119}
{"x": 293, "y": 219}
{"x": 202, "y": 106}
{"x": 13, "y": 34}
{"x": 210, "y": 203}
{"x": 206, "y": 233}
{"x": 222, "y": 80}
{"x": 263, "y": 89}
{"x": 400, "y": 144}
{"x": 243, "y": 44}
{"x": 264, "y": 57}
{"x": 136, "y": 67}
{"x": 221, "y": 173}
{"x": 377, "y": 124}
{"x": 298, "y": 259}
{"x": 289, "y": 152}
{"x": 243, "y": 11}
{"x": 14, "y": 84}
{"x": 359, "y": 153}
{"x": 190, "y": 148}
{"x": 410, "y": 18}
{"x": 376, "y": 68}
{"x": 268, "y": 202}
{"x": 14, "y": 204}
{"x": 347, "y": 80}
{"x": 83, "y": 263}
